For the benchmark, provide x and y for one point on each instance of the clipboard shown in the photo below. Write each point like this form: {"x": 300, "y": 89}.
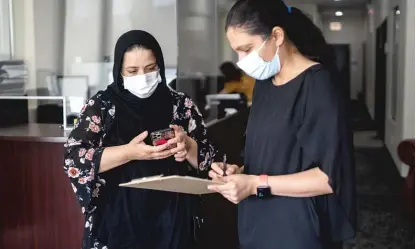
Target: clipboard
{"x": 174, "y": 183}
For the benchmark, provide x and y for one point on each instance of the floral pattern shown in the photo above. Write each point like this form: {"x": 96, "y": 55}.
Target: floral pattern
{"x": 84, "y": 148}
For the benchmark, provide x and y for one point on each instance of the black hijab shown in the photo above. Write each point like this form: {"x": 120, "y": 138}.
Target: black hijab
{"x": 133, "y": 114}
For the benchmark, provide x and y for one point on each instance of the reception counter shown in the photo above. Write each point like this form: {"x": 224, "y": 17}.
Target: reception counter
{"x": 39, "y": 209}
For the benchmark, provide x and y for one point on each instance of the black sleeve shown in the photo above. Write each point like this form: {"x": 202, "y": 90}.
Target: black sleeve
{"x": 83, "y": 152}
{"x": 326, "y": 142}
{"x": 324, "y": 128}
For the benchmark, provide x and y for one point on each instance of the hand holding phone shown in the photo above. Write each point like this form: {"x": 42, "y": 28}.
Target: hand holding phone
{"x": 162, "y": 137}
{"x": 137, "y": 149}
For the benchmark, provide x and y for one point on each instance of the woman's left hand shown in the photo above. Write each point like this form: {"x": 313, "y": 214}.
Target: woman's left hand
{"x": 181, "y": 150}
{"x": 237, "y": 187}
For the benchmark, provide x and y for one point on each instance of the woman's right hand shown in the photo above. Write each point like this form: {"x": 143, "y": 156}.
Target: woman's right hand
{"x": 217, "y": 170}
{"x": 138, "y": 150}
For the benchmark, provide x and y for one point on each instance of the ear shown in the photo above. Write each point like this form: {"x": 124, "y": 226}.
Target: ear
{"x": 278, "y": 35}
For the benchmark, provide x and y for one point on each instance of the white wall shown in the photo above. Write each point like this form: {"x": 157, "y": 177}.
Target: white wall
{"x": 352, "y": 33}
{"x": 156, "y": 17}
{"x": 49, "y": 18}
{"x": 24, "y": 31}
{"x": 4, "y": 30}
{"x": 311, "y": 10}
{"x": 83, "y": 32}
{"x": 409, "y": 76}
{"x": 404, "y": 125}
{"x": 198, "y": 37}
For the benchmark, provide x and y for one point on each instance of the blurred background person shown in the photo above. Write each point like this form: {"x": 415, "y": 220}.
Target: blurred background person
{"x": 236, "y": 81}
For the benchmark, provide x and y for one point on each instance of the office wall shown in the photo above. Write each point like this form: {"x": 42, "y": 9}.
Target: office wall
{"x": 83, "y": 32}
{"x": 404, "y": 125}
{"x": 198, "y": 32}
{"x": 4, "y": 30}
{"x": 24, "y": 33}
{"x": 38, "y": 36}
{"x": 156, "y": 17}
{"x": 352, "y": 33}
{"x": 311, "y": 10}
{"x": 49, "y": 17}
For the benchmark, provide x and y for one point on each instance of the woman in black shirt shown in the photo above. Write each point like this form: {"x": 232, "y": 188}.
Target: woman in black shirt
{"x": 298, "y": 153}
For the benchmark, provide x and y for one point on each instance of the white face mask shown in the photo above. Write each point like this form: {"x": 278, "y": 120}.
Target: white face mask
{"x": 143, "y": 85}
{"x": 254, "y": 66}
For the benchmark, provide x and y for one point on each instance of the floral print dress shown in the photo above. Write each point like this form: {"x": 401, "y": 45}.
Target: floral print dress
{"x": 84, "y": 149}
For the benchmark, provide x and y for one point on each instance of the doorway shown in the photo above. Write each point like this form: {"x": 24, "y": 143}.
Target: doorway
{"x": 342, "y": 56}
{"x": 362, "y": 94}
{"x": 381, "y": 80}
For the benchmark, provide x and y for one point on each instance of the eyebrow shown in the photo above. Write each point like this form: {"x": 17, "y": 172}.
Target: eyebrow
{"x": 134, "y": 67}
{"x": 151, "y": 65}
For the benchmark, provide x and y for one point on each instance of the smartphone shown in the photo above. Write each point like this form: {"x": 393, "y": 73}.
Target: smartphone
{"x": 162, "y": 136}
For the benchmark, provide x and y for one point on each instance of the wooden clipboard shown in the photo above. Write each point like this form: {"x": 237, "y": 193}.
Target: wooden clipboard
{"x": 174, "y": 183}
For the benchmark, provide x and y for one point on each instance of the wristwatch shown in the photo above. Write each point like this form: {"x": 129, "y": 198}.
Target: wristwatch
{"x": 263, "y": 190}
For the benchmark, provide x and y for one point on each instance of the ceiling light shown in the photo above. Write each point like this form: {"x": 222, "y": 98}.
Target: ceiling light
{"x": 337, "y": 0}
{"x": 339, "y": 13}
{"x": 397, "y": 12}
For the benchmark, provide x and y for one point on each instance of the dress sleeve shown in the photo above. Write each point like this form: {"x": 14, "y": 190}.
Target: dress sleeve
{"x": 326, "y": 142}
{"x": 198, "y": 131}
{"x": 83, "y": 153}
{"x": 324, "y": 133}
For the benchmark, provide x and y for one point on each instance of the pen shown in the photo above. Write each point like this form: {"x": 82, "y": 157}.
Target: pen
{"x": 224, "y": 165}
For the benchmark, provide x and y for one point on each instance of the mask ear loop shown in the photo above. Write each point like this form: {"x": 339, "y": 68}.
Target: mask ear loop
{"x": 262, "y": 45}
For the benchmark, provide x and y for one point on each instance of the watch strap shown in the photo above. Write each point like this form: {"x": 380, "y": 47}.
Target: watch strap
{"x": 264, "y": 180}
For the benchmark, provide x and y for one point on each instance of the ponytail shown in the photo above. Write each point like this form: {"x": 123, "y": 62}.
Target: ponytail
{"x": 308, "y": 38}
{"x": 259, "y": 17}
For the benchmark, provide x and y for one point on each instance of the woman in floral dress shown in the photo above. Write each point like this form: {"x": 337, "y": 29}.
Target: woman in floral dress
{"x": 110, "y": 145}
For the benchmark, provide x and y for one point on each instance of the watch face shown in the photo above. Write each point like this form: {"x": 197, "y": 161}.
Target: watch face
{"x": 263, "y": 192}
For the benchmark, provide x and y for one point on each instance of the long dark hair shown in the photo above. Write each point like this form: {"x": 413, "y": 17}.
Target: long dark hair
{"x": 259, "y": 17}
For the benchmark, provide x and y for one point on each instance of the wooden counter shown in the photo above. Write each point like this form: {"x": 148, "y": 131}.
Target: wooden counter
{"x": 38, "y": 207}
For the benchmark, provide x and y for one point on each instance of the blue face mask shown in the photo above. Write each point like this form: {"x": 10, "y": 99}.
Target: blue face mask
{"x": 254, "y": 65}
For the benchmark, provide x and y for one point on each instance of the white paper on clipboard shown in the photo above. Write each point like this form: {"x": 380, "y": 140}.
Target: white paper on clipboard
{"x": 175, "y": 183}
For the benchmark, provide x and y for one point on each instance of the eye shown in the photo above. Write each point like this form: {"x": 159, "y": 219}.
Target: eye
{"x": 151, "y": 69}
{"x": 132, "y": 72}
{"x": 246, "y": 49}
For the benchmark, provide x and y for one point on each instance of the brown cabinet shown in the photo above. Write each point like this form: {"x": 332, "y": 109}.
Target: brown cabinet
{"x": 38, "y": 207}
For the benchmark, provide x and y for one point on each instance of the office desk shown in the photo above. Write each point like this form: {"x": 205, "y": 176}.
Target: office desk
{"x": 38, "y": 208}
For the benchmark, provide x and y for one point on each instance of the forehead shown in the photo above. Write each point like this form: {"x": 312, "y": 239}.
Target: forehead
{"x": 238, "y": 37}
{"x": 139, "y": 57}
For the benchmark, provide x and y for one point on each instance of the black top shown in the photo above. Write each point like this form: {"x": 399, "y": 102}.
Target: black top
{"x": 292, "y": 128}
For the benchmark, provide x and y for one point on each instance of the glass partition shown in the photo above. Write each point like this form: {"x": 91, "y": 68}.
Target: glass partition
{"x": 51, "y": 46}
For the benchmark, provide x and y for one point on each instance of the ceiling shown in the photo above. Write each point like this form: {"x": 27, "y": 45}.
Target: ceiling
{"x": 332, "y": 3}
